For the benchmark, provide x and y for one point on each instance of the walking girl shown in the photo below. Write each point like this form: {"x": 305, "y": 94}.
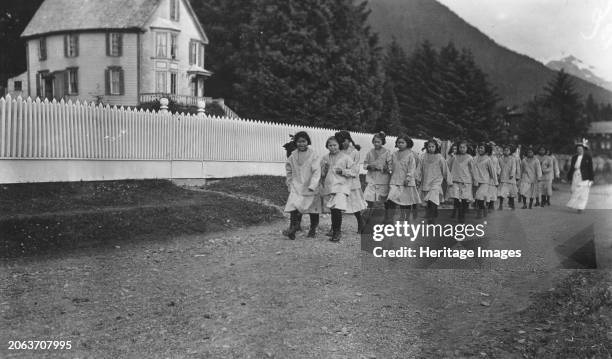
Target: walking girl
{"x": 337, "y": 170}
{"x": 402, "y": 186}
{"x": 303, "y": 176}
{"x": 484, "y": 175}
{"x": 461, "y": 169}
{"x": 432, "y": 171}
{"x": 581, "y": 175}
{"x": 494, "y": 155}
{"x": 531, "y": 172}
{"x": 356, "y": 202}
{"x": 548, "y": 172}
{"x": 378, "y": 164}
{"x": 507, "y": 178}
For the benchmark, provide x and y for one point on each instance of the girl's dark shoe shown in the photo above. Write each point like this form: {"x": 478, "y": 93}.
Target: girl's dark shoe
{"x": 329, "y": 233}
{"x": 336, "y": 236}
{"x": 312, "y": 232}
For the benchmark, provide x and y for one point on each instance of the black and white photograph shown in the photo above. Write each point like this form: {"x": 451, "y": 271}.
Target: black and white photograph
{"x": 342, "y": 179}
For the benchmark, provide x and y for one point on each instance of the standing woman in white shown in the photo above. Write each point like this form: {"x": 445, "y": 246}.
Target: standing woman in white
{"x": 581, "y": 175}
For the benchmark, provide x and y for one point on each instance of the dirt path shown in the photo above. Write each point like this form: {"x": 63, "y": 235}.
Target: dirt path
{"x": 249, "y": 293}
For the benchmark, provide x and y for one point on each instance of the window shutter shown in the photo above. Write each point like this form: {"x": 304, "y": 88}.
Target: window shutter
{"x": 75, "y": 73}
{"x": 120, "y": 44}
{"x": 65, "y": 45}
{"x": 76, "y": 45}
{"x": 38, "y": 85}
{"x": 66, "y": 80}
{"x": 190, "y": 52}
{"x": 178, "y": 10}
{"x": 108, "y": 44}
{"x": 107, "y": 81}
{"x": 121, "y": 82}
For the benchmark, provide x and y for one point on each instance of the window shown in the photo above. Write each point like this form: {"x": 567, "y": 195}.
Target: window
{"x": 42, "y": 48}
{"x": 193, "y": 52}
{"x": 173, "y": 78}
{"x": 160, "y": 81}
{"x": 72, "y": 81}
{"x": 161, "y": 45}
{"x": 201, "y": 55}
{"x": 71, "y": 45}
{"x": 114, "y": 81}
{"x": 17, "y": 86}
{"x": 173, "y": 46}
{"x": 174, "y": 9}
{"x": 114, "y": 44}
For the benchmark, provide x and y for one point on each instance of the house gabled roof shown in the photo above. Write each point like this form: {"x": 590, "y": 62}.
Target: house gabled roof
{"x": 55, "y": 16}
{"x": 600, "y": 127}
{"x": 78, "y": 15}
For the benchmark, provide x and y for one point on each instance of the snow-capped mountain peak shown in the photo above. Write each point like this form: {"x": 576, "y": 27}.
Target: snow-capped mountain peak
{"x": 574, "y": 66}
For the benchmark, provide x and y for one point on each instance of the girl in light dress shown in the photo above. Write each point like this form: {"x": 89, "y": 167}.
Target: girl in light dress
{"x": 356, "y": 202}
{"x": 430, "y": 175}
{"x": 461, "y": 169}
{"x": 303, "y": 176}
{"x": 448, "y": 191}
{"x": 337, "y": 172}
{"x": 378, "y": 163}
{"x": 530, "y": 174}
{"x": 484, "y": 176}
{"x": 545, "y": 182}
{"x": 507, "y": 178}
{"x": 493, "y": 188}
{"x": 402, "y": 185}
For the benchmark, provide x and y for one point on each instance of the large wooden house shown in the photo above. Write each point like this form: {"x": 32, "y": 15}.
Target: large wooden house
{"x": 118, "y": 52}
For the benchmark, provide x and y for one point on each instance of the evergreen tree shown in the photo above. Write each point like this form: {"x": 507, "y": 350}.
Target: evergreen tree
{"x": 309, "y": 62}
{"x": 565, "y": 107}
{"x": 389, "y": 121}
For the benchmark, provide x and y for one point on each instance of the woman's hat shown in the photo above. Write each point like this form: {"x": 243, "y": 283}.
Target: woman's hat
{"x": 583, "y": 142}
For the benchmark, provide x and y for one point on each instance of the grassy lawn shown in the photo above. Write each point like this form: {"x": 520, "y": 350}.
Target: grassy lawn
{"x": 94, "y": 213}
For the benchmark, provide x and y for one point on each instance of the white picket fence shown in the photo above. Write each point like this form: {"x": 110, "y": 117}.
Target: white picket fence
{"x": 32, "y": 131}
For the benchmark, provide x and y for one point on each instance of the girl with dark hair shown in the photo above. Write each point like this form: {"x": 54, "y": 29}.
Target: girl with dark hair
{"x": 303, "y": 177}
{"x": 337, "y": 170}
{"x": 460, "y": 190}
{"x": 402, "y": 185}
{"x": 507, "y": 179}
{"x": 484, "y": 175}
{"x": 377, "y": 162}
{"x": 432, "y": 171}
{"x": 356, "y": 202}
{"x": 448, "y": 190}
{"x": 545, "y": 182}
{"x": 581, "y": 175}
{"x": 531, "y": 172}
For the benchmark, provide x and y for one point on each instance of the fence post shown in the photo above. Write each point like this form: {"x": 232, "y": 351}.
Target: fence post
{"x": 201, "y": 108}
{"x": 163, "y": 108}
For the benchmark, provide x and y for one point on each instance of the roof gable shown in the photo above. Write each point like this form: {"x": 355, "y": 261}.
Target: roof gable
{"x": 74, "y": 15}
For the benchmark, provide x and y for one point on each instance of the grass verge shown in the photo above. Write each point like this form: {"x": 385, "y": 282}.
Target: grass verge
{"x": 43, "y": 218}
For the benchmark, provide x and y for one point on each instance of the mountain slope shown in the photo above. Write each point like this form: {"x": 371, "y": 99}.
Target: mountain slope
{"x": 576, "y": 67}
{"x": 518, "y": 78}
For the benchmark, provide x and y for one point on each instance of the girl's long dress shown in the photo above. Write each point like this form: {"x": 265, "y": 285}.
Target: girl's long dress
{"x": 303, "y": 177}
{"x": 493, "y": 185}
{"x": 403, "y": 168}
{"x": 432, "y": 173}
{"x": 507, "y": 179}
{"x": 461, "y": 168}
{"x": 336, "y": 186}
{"x": 356, "y": 202}
{"x": 484, "y": 175}
{"x": 378, "y": 181}
{"x": 531, "y": 173}
{"x": 580, "y": 189}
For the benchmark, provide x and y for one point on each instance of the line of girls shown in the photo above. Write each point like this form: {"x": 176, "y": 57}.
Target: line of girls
{"x": 507, "y": 175}
{"x": 331, "y": 184}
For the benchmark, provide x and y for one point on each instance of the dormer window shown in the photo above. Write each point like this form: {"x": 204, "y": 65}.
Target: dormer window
{"x": 71, "y": 45}
{"x": 174, "y": 9}
{"x": 196, "y": 53}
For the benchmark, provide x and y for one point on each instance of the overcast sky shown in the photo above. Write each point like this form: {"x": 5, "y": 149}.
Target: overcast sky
{"x": 546, "y": 29}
